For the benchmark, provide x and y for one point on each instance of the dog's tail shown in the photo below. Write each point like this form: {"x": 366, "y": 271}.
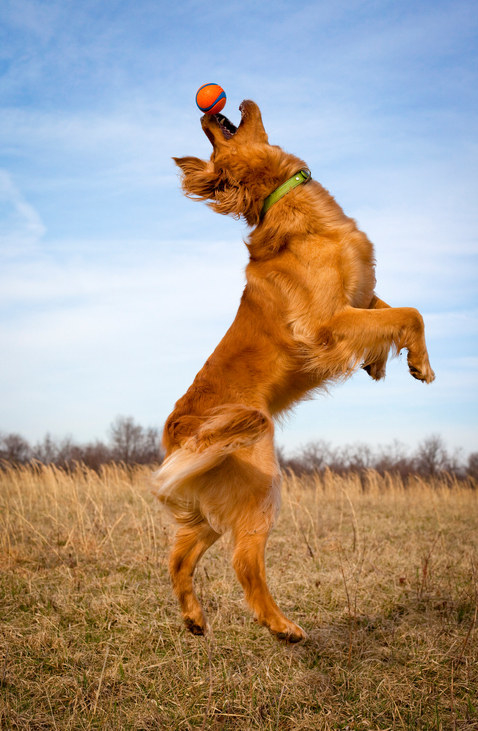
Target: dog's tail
{"x": 222, "y": 431}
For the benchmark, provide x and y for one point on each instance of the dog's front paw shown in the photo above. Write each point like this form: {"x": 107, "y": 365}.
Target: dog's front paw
{"x": 376, "y": 370}
{"x": 421, "y": 371}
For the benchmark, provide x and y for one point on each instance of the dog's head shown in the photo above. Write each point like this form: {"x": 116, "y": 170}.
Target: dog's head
{"x": 243, "y": 169}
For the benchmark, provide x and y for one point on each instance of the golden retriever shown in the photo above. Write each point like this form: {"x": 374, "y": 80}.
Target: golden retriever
{"x": 308, "y": 316}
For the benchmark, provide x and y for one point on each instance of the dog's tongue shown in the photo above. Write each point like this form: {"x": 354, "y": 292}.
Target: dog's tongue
{"x": 227, "y": 127}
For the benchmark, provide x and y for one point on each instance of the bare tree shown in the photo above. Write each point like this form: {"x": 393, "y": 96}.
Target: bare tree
{"x": 431, "y": 456}
{"x": 472, "y": 467}
{"x": 14, "y": 448}
{"x": 45, "y": 451}
{"x": 356, "y": 458}
{"x": 133, "y": 444}
{"x": 394, "y": 458}
{"x": 94, "y": 454}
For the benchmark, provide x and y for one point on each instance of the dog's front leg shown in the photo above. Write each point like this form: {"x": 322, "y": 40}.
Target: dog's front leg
{"x": 356, "y": 335}
{"x": 377, "y": 369}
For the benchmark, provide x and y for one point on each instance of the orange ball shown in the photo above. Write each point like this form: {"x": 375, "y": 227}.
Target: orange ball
{"x": 211, "y": 98}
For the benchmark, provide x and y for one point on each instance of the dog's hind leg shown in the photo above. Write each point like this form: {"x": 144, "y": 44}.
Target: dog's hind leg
{"x": 249, "y": 565}
{"x": 191, "y": 542}
{"x": 258, "y": 496}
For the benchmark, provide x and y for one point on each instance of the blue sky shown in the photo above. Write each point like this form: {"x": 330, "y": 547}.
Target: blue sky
{"x": 114, "y": 287}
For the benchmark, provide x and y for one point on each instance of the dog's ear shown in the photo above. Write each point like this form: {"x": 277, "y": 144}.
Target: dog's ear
{"x": 199, "y": 178}
{"x": 202, "y": 181}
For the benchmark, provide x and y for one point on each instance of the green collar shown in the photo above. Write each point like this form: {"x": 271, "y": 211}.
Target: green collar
{"x": 301, "y": 177}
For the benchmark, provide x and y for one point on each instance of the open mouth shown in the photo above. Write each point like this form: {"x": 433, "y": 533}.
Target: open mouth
{"x": 227, "y": 128}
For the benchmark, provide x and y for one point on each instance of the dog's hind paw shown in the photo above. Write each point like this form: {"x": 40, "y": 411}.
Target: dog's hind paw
{"x": 292, "y": 637}
{"x": 290, "y": 633}
{"x": 194, "y": 627}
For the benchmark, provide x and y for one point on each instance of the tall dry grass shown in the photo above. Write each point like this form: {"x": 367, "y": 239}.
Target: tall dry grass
{"x": 383, "y": 577}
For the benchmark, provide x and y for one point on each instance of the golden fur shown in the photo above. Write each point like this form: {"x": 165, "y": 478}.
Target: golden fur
{"x": 308, "y": 316}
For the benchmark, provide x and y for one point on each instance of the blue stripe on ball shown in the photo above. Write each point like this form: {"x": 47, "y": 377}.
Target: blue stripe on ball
{"x": 221, "y": 96}
{"x": 204, "y": 86}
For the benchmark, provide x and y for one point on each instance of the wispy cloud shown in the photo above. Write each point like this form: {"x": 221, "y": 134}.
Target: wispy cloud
{"x": 21, "y": 227}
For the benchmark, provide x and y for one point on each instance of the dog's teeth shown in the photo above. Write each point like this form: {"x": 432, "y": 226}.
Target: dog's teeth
{"x": 228, "y": 129}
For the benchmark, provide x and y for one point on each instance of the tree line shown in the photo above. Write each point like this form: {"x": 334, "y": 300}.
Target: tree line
{"x": 128, "y": 442}
{"x": 430, "y": 458}
{"x": 131, "y": 443}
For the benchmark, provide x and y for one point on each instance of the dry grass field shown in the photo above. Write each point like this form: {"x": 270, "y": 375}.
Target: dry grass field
{"x": 383, "y": 578}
